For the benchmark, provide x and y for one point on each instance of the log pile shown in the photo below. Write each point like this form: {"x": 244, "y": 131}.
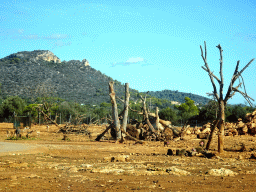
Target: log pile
{"x": 78, "y": 129}
{"x": 251, "y": 125}
{"x": 141, "y": 131}
{"x": 242, "y": 128}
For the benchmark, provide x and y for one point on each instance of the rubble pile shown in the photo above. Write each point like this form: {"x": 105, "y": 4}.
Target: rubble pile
{"x": 242, "y": 128}
{"x": 141, "y": 131}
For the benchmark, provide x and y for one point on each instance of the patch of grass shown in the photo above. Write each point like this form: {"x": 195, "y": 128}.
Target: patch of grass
{"x": 21, "y": 138}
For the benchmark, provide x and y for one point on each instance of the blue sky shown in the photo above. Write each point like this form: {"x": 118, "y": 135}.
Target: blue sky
{"x": 153, "y": 45}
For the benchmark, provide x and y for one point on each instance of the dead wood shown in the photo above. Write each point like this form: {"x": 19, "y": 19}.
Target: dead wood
{"x": 114, "y": 110}
{"x": 145, "y": 114}
{"x": 219, "y": 97}
{"x": 104, "y": 132}
{"x": 126, "y": 104}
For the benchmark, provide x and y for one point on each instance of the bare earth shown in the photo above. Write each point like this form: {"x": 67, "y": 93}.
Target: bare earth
{"x": 82, "y": 164}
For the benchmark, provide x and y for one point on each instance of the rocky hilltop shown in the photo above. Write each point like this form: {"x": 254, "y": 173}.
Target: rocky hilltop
{"x": 36, "y": 55}
{"x": 41, "y": 73}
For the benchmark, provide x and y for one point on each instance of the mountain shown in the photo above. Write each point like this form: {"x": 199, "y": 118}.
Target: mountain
{"x": 32, "y": 74}
{"x": 40, "y": 73}
{"x": 178, "y": 96}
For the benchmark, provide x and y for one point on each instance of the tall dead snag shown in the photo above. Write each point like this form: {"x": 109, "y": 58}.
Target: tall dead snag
{"x": 219, "y": 97}
{"x": 126, "y": 105}
{"x": 145, "y": 114}
{"x": 114, "y": 110}
{"x": 157, "y": 120}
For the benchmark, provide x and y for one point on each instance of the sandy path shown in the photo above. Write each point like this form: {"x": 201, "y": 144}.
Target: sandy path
{"x": 10, "y": 147}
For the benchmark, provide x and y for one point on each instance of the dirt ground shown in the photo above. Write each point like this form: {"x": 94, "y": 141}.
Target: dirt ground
{"x": 82, "y": 164}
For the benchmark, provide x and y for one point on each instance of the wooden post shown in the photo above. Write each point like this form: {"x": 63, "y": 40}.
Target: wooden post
{"x": 114, "y": 110}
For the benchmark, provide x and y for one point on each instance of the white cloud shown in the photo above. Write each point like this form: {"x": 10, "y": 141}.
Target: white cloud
{"x": 135, "y": 60}
{"x": 60, "y": 43}
{"x": 29, "y": 37}
{"x": 132, "y": 61}
{"x": 56, "y": 36}
{"x": 10, "y": 32}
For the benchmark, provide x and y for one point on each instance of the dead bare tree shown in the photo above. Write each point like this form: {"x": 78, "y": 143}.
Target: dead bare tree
{"x": 222, "y": 101}
{"x": 145, "y": 114}
{"x": 114, "y": 110}
{"x": 126, "y": 105}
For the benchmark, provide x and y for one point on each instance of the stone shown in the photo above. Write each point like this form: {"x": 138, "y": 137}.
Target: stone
{"x": 202, "y": 136}
{"x": 253, "y": 156}
{"x": 176, "y": 171}
{"x": 73, "y": 169}
{"x": 171, "y": 152}
{"x": 181, "y": 152}
{"x": 119, "y": 158}
{"x": 221, "y": 172}
{"x": 85, "y": 62}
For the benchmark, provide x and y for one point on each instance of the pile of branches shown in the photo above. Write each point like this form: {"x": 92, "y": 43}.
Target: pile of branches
{"x": 77, "y": 129}
{"x": 152, "y": 128}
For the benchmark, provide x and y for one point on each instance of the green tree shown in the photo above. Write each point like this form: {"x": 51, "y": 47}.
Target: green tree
{"x": 32, "y": 109}
{"x": 12, "y": 104}
{"x": 187, "y": 109}
{"x": 168, "y": 114}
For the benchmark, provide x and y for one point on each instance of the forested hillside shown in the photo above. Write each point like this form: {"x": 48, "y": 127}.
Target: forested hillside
{"x": 29, "y": 76}
{"x": 178, "y": 96}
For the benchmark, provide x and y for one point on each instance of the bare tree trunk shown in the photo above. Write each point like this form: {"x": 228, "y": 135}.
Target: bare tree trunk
{"x": 157, "y": 120}
{"x": 47, "y": 117}
{"x": 114, "y": 110}
{"x": 219, "y": 97}
{"x": 126, "y": 105}
{"x": 221, "y": 127}
{"x": 104, "y": 132}
{"x": 212, "y": 133}
{"x": 145, "y": 113}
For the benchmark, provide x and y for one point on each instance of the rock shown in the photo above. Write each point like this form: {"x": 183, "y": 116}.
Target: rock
{"x": 108, "y": 170}
{"x": 171, "y": 152}
{"x": 33, "y": 176}
{"x": 86, "y": 165}
{"x": 221, "y": 172}
{"x": 191, "y": 153}
{"x": 108, "y": 159}
{"x": 85, "y": 62}
{"x": 122, "y": 158}
{"x": 202, "y": 136}
{"x": 240, "y": 157}
{"x": 207, "y": 130}
{"x": 176, "y": 139}
{"x": 73, "y": 169}
{"x": 13, "y": 177}
{"x": 48, "y": 56}
{"x": 253, "y": 156}
{"x": 181, "y": 152}
{"x": 209, "y": 155}
{"x": 119, "y": 158}
{"x": 251, "y": 172}
{"x": 176, "y": 171}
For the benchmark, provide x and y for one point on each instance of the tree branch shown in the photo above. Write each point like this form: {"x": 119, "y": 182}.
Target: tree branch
{"x": 242, "y": 93}
{"x": 232, "y": 94}
{"x": 221, "y": 72}
{"x": 209, "y": 71}
{"x": 234, "y": 78}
